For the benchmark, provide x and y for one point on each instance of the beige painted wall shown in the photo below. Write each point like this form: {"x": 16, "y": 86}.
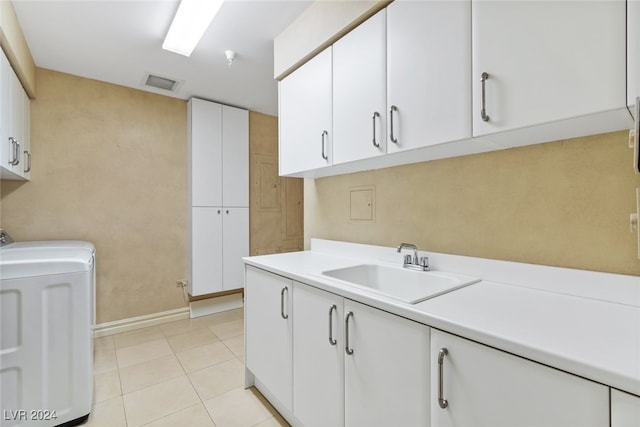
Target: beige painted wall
{"x": 109, "y": 166}
{"x": 564, "y": 203}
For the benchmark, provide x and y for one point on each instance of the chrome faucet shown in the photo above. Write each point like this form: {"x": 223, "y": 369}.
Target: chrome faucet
{"x": 415, "y": 262}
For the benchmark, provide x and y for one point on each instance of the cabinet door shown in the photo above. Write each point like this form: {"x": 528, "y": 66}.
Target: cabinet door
{"x": 359, "y": 91}
{"x": 304, "y": 118}
{"x": 206, "y": 250}
{"x": 387, "y": 375}
{"x": 625, "y": 409}
{"x": 428, "y": 73}
{"x": 318, "y": 357}
{"x": 235, "y": 156}
{"x": 205, "y": 159}
{"x": 268, "y": 328}
{"x": 235, "y": 245}
{"x": 26, "y": 138}
{"x": 546, "y": 61}
{"x": 7, "y": 149}
{"x": 487, "y": 387}
{"x": 633, "y": 47}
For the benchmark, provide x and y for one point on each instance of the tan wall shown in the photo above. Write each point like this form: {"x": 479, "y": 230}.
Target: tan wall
{"x": 109, "y": 166}
{"x": 564, "y": 203}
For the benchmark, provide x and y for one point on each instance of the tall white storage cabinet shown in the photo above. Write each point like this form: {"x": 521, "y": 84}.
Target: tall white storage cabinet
{"x": 218, "y": 171}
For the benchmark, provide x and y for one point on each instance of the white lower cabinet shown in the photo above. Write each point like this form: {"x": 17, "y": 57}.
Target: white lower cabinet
{"x": 387, "y": 375}
{"x": 487, "y": 387}
{"x": 355, "y": 365}
{"x": 268, "y": 333}
{"x": 318, "y": 357}
{"x": 625, "y": 409}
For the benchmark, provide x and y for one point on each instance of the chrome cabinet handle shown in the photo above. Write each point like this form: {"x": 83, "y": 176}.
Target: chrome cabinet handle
{"x": 483, "y": 112}
{"x": 322, "y": 139}
{"x": 332, "y": 340}
{"x": 346, "y": 334}
{"x": 441, "y": 400}
{"x": 375, "y": 143}
{"x": 15, "y": 145}
{"x": 12, "y": 151}
{"x": 393, "y": 138}
{"x": 27, "y": 162}
{"x": 284, "y": 316}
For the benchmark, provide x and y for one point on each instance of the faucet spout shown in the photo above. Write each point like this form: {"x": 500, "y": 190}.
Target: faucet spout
{"x": 416, "y": 263}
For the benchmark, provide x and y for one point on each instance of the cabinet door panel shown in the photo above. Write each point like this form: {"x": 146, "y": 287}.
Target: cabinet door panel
{"x": 428, "y": 72}
{"x": 304, "y": 114}
{"x": 268, "y": 335}
{"x": 625, "y": 409}
{"x": 205, "y": 138}
{"x": 235, "y": 156}
{"x": 487, "y": 387}
{"x": 206, "y": 250}
{"x": 235, "y": 245}
{"x": 546, "y": 61}
{"x": 387, "y": 376}
{"x": 318, "y": 370}
{"x": 633, "y": 47}
{"x": 359, "y": 91}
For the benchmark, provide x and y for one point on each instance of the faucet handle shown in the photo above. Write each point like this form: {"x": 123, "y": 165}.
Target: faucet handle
{"x": 408, "y": 259}
{"x": 424, "y": 263}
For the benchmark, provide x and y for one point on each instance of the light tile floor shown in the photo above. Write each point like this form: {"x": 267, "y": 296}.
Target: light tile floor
{"x": 185, "y": 373}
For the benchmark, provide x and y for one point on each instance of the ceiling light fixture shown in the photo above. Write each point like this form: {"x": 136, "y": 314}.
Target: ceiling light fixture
{"x": 231, "y": 55}
{"x": 191, "y": 21}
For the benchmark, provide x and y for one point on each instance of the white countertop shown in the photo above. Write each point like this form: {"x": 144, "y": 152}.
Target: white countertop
{"x": 574, "y": 327}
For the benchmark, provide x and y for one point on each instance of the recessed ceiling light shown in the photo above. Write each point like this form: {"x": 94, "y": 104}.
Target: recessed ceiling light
{"x": 191, "y": 21}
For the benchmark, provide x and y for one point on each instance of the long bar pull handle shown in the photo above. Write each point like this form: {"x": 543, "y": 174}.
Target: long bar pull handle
{"x": 284, "y": 316}
{"x": 348, "y": 349}
{"x": 391, "y": 136}
{"x": 17, "y": 153}
{"x": 441, "y": 400}
{"x": 322, "y": 138}
{"x": 332, "y": 340}
{"x": 636, "y": 126}
{"x": 483, "y": 111}
{"x": 12, "y": 151}
{"x": 375, "y": 143}
{"x": 27, "y": 162}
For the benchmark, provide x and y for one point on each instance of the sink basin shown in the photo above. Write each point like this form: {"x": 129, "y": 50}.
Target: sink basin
{"x": 409, "y": 286}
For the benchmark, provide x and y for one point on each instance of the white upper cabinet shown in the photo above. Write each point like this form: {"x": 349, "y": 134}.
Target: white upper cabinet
{"x": 475, "y": 385}
{"x": 625, "y": 409}
{"x": 205, "y": 152}
{"x": 235, "y": 157}
{"x": 428, "y": 73}
{"x": 359, "y": 92}
{"x": 304, "y": 119}
{"x": 15, "y": 155}
{"x": 633, "y": 52}
{"x": 545, "y": 61}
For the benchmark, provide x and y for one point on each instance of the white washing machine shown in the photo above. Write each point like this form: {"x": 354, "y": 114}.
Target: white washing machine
{"x": 47, "y": 317}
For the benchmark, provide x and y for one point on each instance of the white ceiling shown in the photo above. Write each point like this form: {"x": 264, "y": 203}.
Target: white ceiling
{"x": 119, "y": 41}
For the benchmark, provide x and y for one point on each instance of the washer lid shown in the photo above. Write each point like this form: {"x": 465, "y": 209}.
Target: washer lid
{"x": 63, "y": 244}
{"x": 43, "y": 261}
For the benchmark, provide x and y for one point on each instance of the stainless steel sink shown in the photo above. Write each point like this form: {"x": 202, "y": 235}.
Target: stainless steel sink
{"x": 409, "y": 286}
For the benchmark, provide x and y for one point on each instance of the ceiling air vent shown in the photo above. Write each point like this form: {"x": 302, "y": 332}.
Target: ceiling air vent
{"x": 163, "y": 83}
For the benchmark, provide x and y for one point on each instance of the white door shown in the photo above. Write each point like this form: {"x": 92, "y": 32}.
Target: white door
{"x": 428, "y": 73}
{"x": 318, "y": 357}
{"x": 486, "y": 387}
{"x": 359, "y": 91}
{"x": 235, "y": 245}
{"x": 633, "y": 55}
{"x": 387, "y": 373}
{"x": 268, "y": 328}
{"x": 235, "y": 156}
{"x": 304, "y": 119}
{"x": 7, "y": 149}
{"x": 625, "y": 409}
{"x": 206, "y": 250}
{"x": 205, "y": 139}
{"x": 546, "y": 61}
{"x": 26, "y": 126}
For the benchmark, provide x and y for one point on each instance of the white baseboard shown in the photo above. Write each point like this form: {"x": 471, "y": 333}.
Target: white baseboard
{"x": 215, "y": 305}
{"x": 132, "y": 323}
